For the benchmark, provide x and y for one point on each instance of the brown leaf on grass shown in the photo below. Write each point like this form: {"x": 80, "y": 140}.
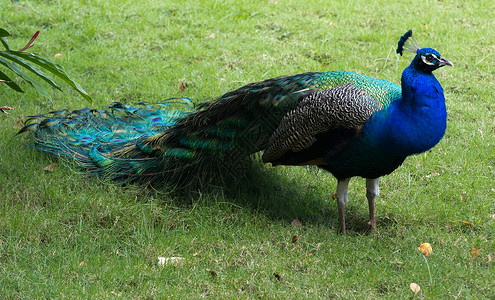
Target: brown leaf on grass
{"x": 58, "y": 55}
{"x": 295, "y": 238}
{"x": 213, "y": 274}
{"x": 19, "y": 123}
{"x": 296, "y": 223}
{"x": 4, "y": 109}
{"x": 81, "y": 263}
{"x": 277, "y": 276}
{"x": 182, "y": 87}
{"x": 435, "y": 173}
{"x": 415, "y": 288}
{"x": 490, "y": 258}
{"x": 50, "y": 167}
{"x": 467, "y": 223}
{"x": 474, "y": 252}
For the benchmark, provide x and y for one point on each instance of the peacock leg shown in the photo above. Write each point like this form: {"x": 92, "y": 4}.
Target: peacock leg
{"x": 372, "y": 191}
{"x": 342, "y": 186}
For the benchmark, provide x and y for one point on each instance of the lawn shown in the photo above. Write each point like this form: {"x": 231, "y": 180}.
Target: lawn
{"x": 275, "y": 236}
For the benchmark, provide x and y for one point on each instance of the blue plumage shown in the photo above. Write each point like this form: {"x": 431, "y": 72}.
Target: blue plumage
{"x": 346, "y": 123}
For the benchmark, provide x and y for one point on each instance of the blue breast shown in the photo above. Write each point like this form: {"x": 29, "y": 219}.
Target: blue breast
{"x": 410, "y": 125}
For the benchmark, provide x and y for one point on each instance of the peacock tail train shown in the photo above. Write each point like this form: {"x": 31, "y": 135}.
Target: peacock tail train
{"x": 171, "y": 142}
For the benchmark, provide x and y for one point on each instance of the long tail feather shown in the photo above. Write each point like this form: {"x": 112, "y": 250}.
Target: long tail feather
{"x": 108, "y": 143}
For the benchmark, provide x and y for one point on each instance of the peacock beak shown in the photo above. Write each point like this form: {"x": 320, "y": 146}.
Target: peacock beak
{"x": 445, "y": 62}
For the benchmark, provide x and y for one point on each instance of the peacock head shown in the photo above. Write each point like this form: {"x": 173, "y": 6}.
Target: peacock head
{"x": 427, "y": 59}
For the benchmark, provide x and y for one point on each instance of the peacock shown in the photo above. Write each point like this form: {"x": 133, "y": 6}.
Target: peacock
{"x": 343, "y": 122}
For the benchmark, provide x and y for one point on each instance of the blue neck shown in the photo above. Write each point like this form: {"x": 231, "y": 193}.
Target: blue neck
{"x": 414, "y": 123}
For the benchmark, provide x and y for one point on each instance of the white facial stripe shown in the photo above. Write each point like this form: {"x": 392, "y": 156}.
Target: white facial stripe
{"x": 428, "y": 62}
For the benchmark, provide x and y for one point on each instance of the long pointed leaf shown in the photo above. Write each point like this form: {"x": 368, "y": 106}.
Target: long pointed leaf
{"x": 13, "y": 57}
{"x": 4, "y": 33}
{"x": 24, "y": 76}
{"x": 55, "y": 69}
{"x": 10, "y": 82}
{"x": 5, "y": 43}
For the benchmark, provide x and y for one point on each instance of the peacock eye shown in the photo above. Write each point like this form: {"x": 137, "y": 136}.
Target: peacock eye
{"x": 429, "y": 57}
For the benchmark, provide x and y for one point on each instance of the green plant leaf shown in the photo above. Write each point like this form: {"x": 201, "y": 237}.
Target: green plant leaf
{"x": 55, "y": 69}
{"x": 10, "y": 82}
{"x": 24, "y": 76}
{"x": 4, "y": 33}
{"x": 5, "y": 43}
{"x": 15, "y": 58}
{"x": 27, "y": 59}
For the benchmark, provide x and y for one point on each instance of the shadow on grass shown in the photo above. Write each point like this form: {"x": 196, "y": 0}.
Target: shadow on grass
{"x": 279, "y": 197}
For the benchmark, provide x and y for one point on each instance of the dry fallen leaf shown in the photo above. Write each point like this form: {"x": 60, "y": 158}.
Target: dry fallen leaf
{"x": 415, "y": 288}
{"x": 81, "y": 263}
{"x": 50, "y": 167}
{"x": 425, "y": 249}
{"x": 435, "y": 173}
{"x": 4, "y": 108}
{"x": 474, "y": 252}
{"x": 182, "y": 87}
{"x": 295, "y": 238}
{"x": 295, "y": 223}
{"x": 467, "y": 223}
{"x": 19, "y": 123}
{"x": 58, "y": 55}
{"x": 212, "y": 273}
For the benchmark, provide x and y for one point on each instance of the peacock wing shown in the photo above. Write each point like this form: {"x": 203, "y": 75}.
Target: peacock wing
{"x": 323, "y": 121}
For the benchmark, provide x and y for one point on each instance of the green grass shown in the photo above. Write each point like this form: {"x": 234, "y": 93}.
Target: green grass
{"x": 64, "y": 237}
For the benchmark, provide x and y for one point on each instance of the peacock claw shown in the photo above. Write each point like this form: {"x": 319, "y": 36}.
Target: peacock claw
{"x": 4, "y": 108}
